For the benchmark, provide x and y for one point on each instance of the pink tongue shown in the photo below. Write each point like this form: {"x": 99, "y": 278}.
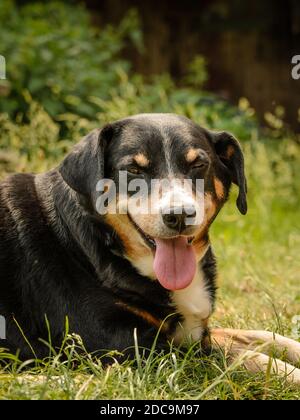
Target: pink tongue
{"x": 174, "y": 263}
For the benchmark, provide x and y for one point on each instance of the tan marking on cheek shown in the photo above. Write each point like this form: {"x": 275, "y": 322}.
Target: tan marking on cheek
{"x": 219, "y": 188}
{"x": 141, "y": 160}
{"x": 191, "y": 155}
{"x": 210, "y": 207}
{"x": 128, "y": 235}
{"x": 200, "y": 242}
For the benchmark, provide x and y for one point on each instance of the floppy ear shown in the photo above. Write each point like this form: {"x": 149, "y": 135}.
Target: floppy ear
{"x": 230, "y": 153}
{"x": 84, "y": 166}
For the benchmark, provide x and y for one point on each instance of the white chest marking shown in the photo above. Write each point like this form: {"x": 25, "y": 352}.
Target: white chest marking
{"x": 194, "y": 304}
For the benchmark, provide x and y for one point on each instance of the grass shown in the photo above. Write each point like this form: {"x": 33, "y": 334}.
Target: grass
{"x": 259, "y": 273}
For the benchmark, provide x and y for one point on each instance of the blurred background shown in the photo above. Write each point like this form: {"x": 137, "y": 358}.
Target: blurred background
{"x": 67, "y": 53}
{"x": 247, "y": 45}
{"x": 72, "y": 66}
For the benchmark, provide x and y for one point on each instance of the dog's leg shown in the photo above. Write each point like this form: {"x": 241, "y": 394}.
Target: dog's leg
{"x": 243, "y": 344}
{"x": 258, "y": 362}
{"x": 251, "y": 339}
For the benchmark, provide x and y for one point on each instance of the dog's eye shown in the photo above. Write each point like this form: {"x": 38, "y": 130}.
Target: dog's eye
{"x": 201, "y": 163}
{"x": 135, "y": 171}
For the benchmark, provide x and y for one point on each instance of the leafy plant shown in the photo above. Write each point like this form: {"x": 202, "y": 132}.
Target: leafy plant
{"x": 54, "y": 52}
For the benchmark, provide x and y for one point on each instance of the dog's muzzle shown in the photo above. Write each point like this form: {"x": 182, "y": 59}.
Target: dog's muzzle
{"x": 179, "y": 218}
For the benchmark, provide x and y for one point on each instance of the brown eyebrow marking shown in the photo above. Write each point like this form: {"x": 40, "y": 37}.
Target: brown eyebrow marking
{"x": 192, "y": 155}
{"x": 141, "y": 160}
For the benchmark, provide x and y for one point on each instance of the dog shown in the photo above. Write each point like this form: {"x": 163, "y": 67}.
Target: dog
{"x": 115, "y": 272}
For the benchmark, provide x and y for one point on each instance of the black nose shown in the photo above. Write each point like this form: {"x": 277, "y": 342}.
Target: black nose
{"x": 176, "y": 217}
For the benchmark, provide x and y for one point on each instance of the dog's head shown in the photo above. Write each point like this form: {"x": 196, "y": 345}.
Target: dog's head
{"x": 155, "y": 199}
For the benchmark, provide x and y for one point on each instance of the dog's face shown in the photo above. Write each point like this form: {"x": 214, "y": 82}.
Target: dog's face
{"x": 171, "y": 178}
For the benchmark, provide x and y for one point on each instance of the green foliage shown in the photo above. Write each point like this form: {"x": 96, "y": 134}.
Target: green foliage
{"x": 52, "y": 51}
{"x": 33, "y": 145}
{"x": 79, "y": 77}
{"x": 197, "y": 72}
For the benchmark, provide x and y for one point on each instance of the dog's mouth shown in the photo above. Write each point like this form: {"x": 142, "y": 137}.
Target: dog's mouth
{"x": 174, "y": 258}
{"x": 147, "y": 238}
